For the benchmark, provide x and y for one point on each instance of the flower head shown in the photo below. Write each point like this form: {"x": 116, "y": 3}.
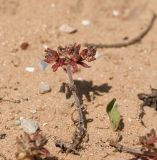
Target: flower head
{"x": 69, "y": 55}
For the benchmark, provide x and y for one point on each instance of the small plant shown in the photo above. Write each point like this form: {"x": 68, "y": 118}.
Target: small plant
{"x": 31, "y": 147}
{"x": 69, "y": 57}
{"x": 146, "y": 151}
{"x": 114, "y": 115}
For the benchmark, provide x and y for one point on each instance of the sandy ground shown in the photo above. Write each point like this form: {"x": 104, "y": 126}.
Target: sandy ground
{"x": 124, "y": 72}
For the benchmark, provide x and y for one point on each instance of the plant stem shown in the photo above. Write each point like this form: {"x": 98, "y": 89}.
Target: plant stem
{"x": 77, "y": 100}
{"x": 80, "y": 132}
{"x": 138, "y": 151}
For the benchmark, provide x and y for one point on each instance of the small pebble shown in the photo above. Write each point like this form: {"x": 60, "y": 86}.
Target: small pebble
{"x": 67, "y": 29}
{"x": 43, "y": 65}
{"x": 97, "y": 55}
{"x": 80, "y": 78}
{"x": 86, "y": 22}
{"x": 45, "y": 46}
{"x": 53, "y": 5}
{"x": 30, "y": 69}
{"x": 44, "y": 124}
{"x": 33, "y": 111}
{"x": 29, "y": 126}
{"x": 129, "y": 119}
{"x": 115, "y": 13}
{"x": 24, "y": 45}
{"x": 44, "y": 88}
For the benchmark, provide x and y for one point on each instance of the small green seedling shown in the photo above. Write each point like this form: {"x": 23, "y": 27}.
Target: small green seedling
{"x": 113, "y": 114}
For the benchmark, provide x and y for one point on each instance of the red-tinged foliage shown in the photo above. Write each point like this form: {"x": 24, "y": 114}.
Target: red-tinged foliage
{"x": 69, "y": 55}
{"x": 31, "y": 146}
{"x": 149, "y": 148}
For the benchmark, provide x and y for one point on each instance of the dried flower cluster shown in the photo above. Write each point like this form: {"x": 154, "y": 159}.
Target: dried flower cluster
{"x": 148, "y": 143}
{"x": 70, "y": 55}
{"x": 31, "y": 146}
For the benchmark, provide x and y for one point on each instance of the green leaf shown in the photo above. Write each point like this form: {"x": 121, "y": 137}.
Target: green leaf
{"x": 113, "y": 114}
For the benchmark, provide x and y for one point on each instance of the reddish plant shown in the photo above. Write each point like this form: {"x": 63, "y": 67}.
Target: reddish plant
{"x": 69, "y": 55}
{"x": 31, "y": 146}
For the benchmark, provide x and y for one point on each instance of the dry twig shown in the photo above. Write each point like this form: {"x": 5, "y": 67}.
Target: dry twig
{"x": 129, "y": 42}
{"x": 80, "y": 132}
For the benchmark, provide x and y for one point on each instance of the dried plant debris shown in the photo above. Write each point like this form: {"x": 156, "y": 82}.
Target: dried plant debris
{"x": 147, "y": 149}
{"x": 31, "y": 147}
{"x": 2, "y": 99}
{"x": 149, "y": 100}
{"x": 2, "y": 135}
{"x": 24, "y": 45}
{"x": 128, "y": 42}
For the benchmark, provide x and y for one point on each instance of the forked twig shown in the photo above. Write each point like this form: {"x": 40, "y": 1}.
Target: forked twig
{"x": 129, "y": 42}
{"x": 138, "y": 151}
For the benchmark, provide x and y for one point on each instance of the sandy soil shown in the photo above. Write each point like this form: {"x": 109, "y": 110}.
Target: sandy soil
{"x": 124, "y": 72}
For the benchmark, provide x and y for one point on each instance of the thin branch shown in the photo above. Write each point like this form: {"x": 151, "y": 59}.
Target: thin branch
{"x": 8, "y": 100}
{"x": 133, "y": 151}
{"x": 77, "y": 99}
{"x": 129, "y": 42}
{"x": 80, "y": 132}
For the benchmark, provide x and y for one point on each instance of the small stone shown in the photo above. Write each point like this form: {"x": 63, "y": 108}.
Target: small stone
{"x": 97, "y": 54}
{"x": 30, "y": 69}
{"x": 45, "y": 46}
{"x": 29, "y": 126}
{"x": 129, "y": 119}
{"x": 21, "y": 118}
{"x": 67, "y": 29}
{"x": 24, "y": 45}
{"x": 115, "y": 13}
{"x": 33, "y": 111}
{"x": 44, "y": 124}
{"x": 43, "y": 65}
{"x": 86, "y": 22}
{"x": 53, "y": 5}
{"x": 80, "y": 78}
{"x": 44, "y": 88}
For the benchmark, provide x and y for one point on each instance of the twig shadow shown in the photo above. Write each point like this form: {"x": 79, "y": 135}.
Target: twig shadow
{"x": 47, "y": 158}
{"x": 51, "y": 158}
{"x": 141, "y": 158}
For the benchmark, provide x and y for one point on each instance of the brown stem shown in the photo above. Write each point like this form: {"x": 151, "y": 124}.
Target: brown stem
{"x": 77, "y": 100}
{"x": 139, "y": 151}
{"x": 80, "y": 132}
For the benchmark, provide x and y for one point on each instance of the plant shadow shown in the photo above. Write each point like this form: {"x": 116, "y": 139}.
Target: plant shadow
{"x": 87, "y": 89}
{"x": 51, "y": 158}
